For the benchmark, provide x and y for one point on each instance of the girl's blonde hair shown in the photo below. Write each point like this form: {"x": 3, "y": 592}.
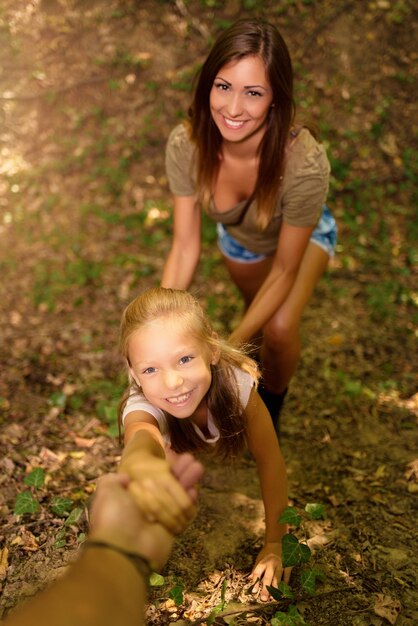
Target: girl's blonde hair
{"x": 222, "y": 398}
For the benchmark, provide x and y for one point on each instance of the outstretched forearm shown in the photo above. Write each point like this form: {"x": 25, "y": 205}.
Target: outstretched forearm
{"x": 141, "y": 443}
{"x": 179, "y": 268}
{"x": 273, "y": 292}
{"x": 265, "y": 448}
{"x": 274, "y": 489}
{"x": 102, "y": 588}
{"x": 184, "y": 254}
{"x": 267, "y": 301}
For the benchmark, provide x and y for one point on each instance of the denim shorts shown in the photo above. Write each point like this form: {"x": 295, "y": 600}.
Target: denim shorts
{"x": 324, "y": 236}
{"x": 325, "y": 233}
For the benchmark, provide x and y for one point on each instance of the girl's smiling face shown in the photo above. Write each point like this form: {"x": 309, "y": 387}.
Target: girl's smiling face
{"x": 240, "y": 98}
{"x": 171, "y": 366}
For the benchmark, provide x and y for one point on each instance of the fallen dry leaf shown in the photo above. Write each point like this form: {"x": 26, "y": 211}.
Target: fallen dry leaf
{"x": 26, "y": 541}
{"x": 336, "y": 340}
{"x": 386, "y": 607}
{"x": 319, "y": 541}
{"x": 412, "y": 471}
{"x": 83, "y": 442}
{"x": 4, "y": 555}
{"x": 77, "y": 454}
{"x": 51, "y": 460}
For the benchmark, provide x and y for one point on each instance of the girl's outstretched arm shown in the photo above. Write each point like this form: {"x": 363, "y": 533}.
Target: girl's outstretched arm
{"x": 264, "y": 446}
{"x": 156, "y": 491}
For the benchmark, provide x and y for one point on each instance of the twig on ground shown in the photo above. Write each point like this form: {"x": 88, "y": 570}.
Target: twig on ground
{"x": 197, "y": 25}
{"x": 322, "y": 25}
{"x": 251, "y": 608}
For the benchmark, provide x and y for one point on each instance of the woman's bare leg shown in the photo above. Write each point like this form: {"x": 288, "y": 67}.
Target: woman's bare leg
{"x": 281, "y": 345}
{"x": 248, "y": 277}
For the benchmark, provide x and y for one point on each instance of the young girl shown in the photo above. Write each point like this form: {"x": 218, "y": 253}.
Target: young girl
{"x": 264, "y": 180}
{"x": 191, "y": 391}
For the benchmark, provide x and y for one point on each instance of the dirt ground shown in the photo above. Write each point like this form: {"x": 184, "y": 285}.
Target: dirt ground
{"x": 89, "y": 92}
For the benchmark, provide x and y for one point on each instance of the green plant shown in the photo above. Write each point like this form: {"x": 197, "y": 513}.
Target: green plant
{"x": 156, "y": 580}
{"x": 296, "y": 552}
{"x": 107, "y": 394}
{"x": 108, "y": 412}
{"x": 383, "y": 299}
{"x": 176, "y": 592}
{"x": 28, "y": 502}
{"x": 219, "y": 607}
{"x": 291, "y": 618}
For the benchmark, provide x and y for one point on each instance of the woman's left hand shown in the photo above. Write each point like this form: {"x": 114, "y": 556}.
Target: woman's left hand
{"x": 268, "y": 570}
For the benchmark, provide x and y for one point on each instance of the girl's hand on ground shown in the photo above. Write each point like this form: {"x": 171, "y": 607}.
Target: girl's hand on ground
{"x": 268, "y": 570}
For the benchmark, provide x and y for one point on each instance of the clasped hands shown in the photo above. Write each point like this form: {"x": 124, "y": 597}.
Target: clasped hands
{"x": 117, "y": 517}
{"x": 164, "y": 489}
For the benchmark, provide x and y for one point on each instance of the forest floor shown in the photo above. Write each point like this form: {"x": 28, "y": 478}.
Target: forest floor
{"x": 89, "y": 92}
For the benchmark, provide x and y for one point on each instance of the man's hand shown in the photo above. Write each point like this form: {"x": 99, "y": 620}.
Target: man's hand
{"x": 156, "y": 491}
{"x": 156, "y": 485}
{"x": 117, "y": 517}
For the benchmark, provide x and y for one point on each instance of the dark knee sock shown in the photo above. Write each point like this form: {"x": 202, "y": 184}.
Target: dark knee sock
{"x": 274, "y": 403}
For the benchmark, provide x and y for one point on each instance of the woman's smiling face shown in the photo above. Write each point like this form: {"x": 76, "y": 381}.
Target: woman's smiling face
{"x": 240, "y": 98}
{"x": 171, "y": 366}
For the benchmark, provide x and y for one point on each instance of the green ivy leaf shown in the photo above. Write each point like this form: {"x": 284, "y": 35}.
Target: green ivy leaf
{"x": 74, "y": 516}
{"x": 291, "y": 618}
{"x": 290, "y": 516}
{"x": 60, "y": 539}
{"x": 113, "y": 431}
{"x": 315, "y": 511}
{"x": 293, "y": 552}
{"x": 275, "y": 593}
{"x": 176, "y": 594}
{"x": 108, "y": 412}
{"x": 156, "y": 580}
{"x": 282, "y": 619}
{"x": 36, "y": 478}
{"x": 213, "y": 615}
{"x": 57, "y": 398}
{"x": 281, "y": 591}
{"x": 308, "y": 579}
{"x": 294, "y": 613}
{"x": 286, "y": 590}
{"x": 61, "y": 506}
{"x": 25, "y": 503}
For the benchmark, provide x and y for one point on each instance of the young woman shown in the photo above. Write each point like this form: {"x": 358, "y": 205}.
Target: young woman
{"x": 192, "y": 392}
{"x": 264, "y": 180}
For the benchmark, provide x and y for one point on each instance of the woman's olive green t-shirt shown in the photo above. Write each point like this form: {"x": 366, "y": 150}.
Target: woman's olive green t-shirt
{"x": 302, "y": 193}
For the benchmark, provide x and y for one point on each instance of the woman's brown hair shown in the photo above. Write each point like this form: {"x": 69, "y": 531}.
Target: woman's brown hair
{"x": 246, "y": 37}
{"x": 222, "y": 399}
